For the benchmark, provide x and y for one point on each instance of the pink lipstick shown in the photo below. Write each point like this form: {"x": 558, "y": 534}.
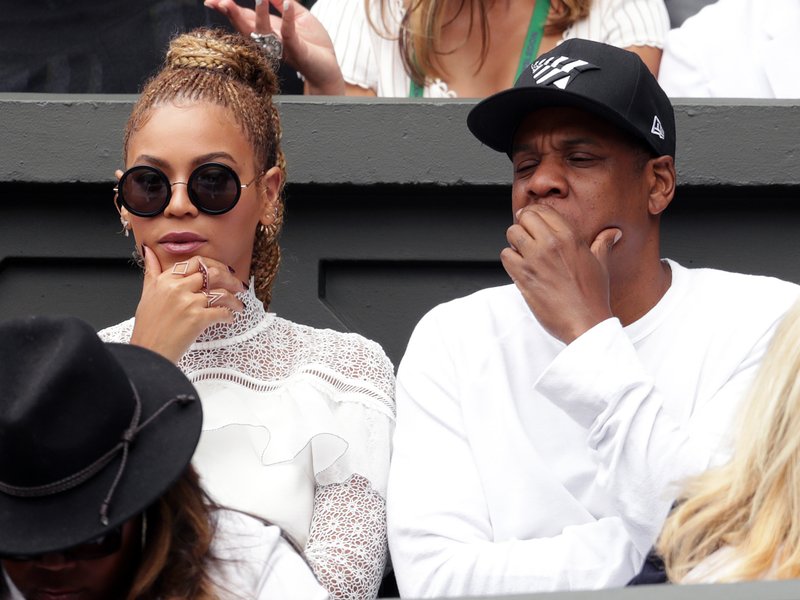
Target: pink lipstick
{"x": 181, "y": 242}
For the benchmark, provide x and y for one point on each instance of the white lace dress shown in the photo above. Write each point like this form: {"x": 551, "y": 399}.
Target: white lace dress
{"x": 297, "y": 426}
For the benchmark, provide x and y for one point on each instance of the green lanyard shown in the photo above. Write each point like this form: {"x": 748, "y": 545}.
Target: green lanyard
{"x": 529, "y": 51}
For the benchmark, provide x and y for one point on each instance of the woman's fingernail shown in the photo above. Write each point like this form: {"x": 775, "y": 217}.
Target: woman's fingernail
{"x": 231, "y": 269}
{"x": 258, "y": 2}
{"x": 286, "y": 5}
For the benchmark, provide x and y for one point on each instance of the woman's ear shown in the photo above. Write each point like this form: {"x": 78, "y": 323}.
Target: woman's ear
{"x": 123, "y": 213}
{"x": 270, "y": 190}
{"x": 662, "y": 184}
{"x": 124, "y": 217}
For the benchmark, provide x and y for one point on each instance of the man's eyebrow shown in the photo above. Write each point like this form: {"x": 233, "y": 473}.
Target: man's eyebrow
{"x": 570, "y": 142}
{"x": 580, "y": 141}
{"x": 521, "y": 148}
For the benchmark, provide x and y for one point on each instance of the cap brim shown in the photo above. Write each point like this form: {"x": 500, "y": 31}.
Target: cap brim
{"x": 158, "y": 457}
{"x": 494, "y": 121}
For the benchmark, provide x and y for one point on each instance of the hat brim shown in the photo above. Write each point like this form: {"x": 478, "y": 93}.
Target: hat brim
{"x": 494, "y": 121}
{"x": 158, "y": 456}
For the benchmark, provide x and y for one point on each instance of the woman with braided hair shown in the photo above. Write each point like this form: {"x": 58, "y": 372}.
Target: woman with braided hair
{"x": 297, "y": 421}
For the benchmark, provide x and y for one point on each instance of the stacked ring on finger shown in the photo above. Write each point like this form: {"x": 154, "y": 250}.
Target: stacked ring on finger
{"x": 211, "y": 298}
{"x": 203, "y": 269}
{"x": 180, "y": 268}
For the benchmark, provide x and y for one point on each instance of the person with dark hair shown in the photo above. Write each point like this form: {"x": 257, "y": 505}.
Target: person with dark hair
{"x": 502, "y": 478}
{"x": 97, "y": 498}
{"x": 298, "y": 421}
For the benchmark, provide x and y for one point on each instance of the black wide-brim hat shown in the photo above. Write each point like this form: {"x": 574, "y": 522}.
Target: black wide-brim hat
{"x": 68, "y": 399}
{"x": 607, "y": 81}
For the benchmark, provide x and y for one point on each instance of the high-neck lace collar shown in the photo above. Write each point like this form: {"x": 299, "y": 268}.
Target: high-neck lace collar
{"x": 245, "y": 324}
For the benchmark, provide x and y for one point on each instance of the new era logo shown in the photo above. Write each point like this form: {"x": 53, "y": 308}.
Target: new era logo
{"x": 559, "y": 71}
{"x": 657, "y": 128}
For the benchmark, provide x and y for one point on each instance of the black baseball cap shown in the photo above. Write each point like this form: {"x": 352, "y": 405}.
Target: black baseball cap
{"x": 610, "y": 82}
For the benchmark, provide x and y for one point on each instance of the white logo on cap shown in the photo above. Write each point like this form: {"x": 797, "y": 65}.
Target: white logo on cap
{"x": 657, "y": 128}
{"x": 559, "y": 71}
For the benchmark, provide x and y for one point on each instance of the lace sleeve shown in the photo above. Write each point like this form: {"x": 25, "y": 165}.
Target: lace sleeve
{"x": 119, "y": 333}
{"x": 347, "y": 543}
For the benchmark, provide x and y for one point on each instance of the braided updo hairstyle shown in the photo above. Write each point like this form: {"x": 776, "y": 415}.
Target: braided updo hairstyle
{"x": 229, "y": 70}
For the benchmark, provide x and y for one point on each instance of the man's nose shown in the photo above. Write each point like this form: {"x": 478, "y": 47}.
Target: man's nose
{"x": 549, "y": 179}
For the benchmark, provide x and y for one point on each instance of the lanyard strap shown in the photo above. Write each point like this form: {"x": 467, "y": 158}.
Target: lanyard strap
{"x": 534, "y": 38}
{"x": 529, "y": 51}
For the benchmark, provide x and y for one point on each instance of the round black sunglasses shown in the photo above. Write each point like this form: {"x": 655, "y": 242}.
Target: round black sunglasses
{"x": 214, "y": 188}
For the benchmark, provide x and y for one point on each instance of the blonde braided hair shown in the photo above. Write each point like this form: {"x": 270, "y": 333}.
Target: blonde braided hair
{"x": 212, "y": 65}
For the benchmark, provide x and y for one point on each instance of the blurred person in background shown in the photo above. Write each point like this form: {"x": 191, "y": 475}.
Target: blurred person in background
{"x": 735, "y": 49}
{"x": 441, "y": 48}
{"x": 97, "y": 47}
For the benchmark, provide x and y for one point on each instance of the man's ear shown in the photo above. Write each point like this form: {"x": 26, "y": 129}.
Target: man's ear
{"x": 269, "y": 189}
{"x": 662, "y": 184}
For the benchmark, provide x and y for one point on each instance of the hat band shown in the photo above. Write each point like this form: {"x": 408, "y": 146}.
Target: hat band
{"x": 74, "y": 480}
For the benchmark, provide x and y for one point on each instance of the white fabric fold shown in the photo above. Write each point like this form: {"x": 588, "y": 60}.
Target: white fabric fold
{"x": 291, "y": 412}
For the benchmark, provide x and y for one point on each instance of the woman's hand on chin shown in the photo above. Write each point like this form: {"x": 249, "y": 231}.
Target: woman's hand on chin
{"x": 179, "y": 303}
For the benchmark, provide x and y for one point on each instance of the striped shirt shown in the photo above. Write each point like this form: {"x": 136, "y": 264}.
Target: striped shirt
{"x": 371, "y": 59}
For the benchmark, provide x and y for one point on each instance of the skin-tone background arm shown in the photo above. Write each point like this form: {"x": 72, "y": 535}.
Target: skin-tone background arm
{"x": 650, "y": 56}
{"x": 307, "y": 47}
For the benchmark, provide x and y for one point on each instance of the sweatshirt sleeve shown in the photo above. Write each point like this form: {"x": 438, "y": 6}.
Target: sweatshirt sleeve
{"x": 643, "y": 451}
{"x": 440, "y": 532}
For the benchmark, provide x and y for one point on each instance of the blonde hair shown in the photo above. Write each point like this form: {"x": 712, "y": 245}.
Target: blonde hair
{"x": 422, "y": 24}
{"x": 211, "y": 65}
{"x": 752, "y": 503}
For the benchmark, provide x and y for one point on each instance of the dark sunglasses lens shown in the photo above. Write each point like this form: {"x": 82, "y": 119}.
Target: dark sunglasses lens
{"x": 99, "y": 547}
{"x": 144, "y": 191}
{"x": 214, "y": 188}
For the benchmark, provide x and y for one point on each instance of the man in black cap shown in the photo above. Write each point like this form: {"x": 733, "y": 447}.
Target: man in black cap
{"x": 539, "y": 423}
